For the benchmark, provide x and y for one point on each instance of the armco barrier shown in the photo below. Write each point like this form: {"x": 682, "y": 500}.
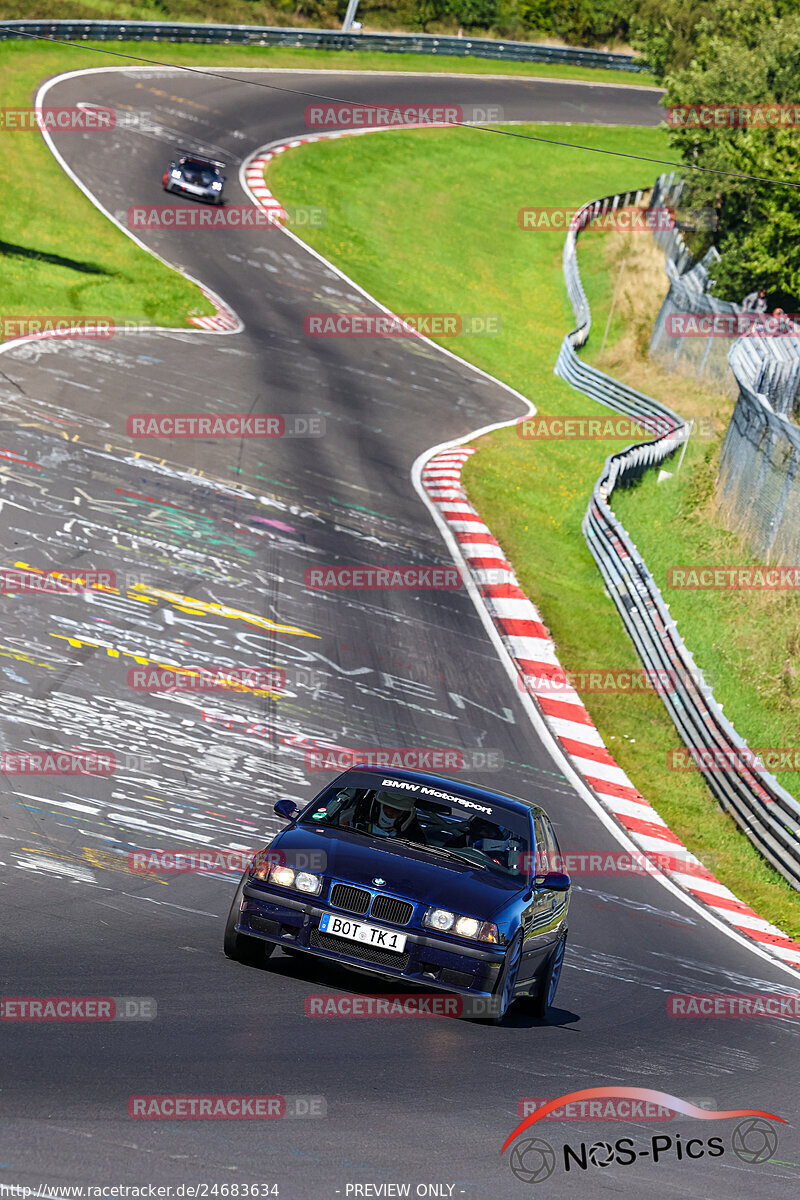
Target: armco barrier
{"x": 764, "y": 810}
{"x": 318, "y": 39}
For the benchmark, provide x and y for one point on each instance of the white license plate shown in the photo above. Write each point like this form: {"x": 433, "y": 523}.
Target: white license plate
{"x": 356, "y": 931}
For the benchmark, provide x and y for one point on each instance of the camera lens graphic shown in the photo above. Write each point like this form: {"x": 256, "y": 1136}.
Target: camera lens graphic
{"x": 754, "y": 1140}
{"x": 533, "y": 1160}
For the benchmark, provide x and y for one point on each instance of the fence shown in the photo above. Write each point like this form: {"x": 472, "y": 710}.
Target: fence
{"x": 764, "y": 810}
{"x": 758, "y": 490}
{"x": 771, "y": 365}
{"x": 702, "y": 357}
{"x": 319, "y": 39}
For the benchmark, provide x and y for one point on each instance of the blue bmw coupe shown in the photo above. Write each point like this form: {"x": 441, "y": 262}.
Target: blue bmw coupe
{"x": 416, "y": 878}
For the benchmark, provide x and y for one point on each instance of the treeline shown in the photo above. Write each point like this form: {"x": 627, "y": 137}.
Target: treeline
{"x": 737, "y": 53}
{"x": 577, "y": 22}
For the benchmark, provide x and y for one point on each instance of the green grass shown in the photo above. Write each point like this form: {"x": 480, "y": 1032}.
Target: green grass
{"x": 427, "y": 221}
{"x": 60, "y": 256}
{"x": 257, "y": 12}
{"x": 66, "y": 259}
{"x": 751, "y": 640}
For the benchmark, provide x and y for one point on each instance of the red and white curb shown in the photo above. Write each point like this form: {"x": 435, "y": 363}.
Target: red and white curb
{"x": 224, "y": 319}
{"x": 528, "y": 642}
{"x": 532, "y": 651}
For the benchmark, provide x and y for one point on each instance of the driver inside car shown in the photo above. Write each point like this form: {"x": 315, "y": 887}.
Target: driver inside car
{"x": 488, "y": 838}
{"x": 393, "y": 815}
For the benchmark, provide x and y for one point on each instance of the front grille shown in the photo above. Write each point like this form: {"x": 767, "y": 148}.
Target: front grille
{"x": 351, "y": 899}
{"x": 371, "y": 954}
{"x": 392, "y": 910}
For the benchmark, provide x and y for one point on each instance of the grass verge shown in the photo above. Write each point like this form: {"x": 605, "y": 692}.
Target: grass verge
{"x": 43, "y": 274}
{"x": 427, "y": 222}
{"x": 748, "y": 641}
{"x": 242, "y": 12}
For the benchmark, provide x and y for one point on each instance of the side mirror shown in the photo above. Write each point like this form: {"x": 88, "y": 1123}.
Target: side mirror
{"x": 556, "y": 881}
{"x": 172, "y": 166}
{"x": 287, "y": 809}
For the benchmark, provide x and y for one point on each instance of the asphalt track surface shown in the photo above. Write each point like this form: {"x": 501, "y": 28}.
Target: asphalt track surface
{"x": 236, "y": 524}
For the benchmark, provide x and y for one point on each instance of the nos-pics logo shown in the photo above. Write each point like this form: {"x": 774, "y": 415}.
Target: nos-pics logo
{"x": 754, "y": 1140}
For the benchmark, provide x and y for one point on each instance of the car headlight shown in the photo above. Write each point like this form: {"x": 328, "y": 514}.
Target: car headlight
{"x": 439, "y": 918}
{"x": 299, "y": 881}
{"x": 467, "y": 927}
{"x": 304, "y": 881}
{"x": 216, "y": 187}
{"x": 283, "y": 876}
{"x": 175, "y": 174}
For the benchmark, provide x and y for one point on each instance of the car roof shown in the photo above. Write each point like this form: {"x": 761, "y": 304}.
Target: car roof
{"x": 188, "y": 156}
{"x": 468, "y": 790}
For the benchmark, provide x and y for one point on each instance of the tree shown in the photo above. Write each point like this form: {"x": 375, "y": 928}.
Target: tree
{"x": 758, "y": 222}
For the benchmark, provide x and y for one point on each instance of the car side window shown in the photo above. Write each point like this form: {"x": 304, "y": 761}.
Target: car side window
{"x": 540, "y": 849}
{"x": 554, "y": 856}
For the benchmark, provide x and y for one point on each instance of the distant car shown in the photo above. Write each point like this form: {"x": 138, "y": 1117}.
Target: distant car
{"x": 419, "y": 879}
{"x": 193, "y": 175}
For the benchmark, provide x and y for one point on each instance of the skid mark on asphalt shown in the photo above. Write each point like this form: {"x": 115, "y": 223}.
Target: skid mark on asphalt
{"x": 187, "y": 545}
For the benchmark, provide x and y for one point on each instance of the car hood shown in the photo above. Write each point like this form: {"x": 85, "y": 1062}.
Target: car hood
{"x": 407, "y": 871}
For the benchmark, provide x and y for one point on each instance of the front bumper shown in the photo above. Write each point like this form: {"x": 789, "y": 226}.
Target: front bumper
{"x": 427, "y": 959}
{"x": 195, "y": 193}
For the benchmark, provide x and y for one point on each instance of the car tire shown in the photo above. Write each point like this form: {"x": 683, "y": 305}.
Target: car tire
{"x": 546, "y": 994}
{"x": 239, "y": 946}
{"x": 503, "y": 994}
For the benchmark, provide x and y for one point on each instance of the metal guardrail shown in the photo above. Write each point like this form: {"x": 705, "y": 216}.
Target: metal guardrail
{"x": 319, "y": 39}
{"x": 764, "y": 810}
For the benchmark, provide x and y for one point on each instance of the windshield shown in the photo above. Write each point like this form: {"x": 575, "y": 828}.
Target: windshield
{"x": 199, "y": 173}
{"x": 498, "y": 842}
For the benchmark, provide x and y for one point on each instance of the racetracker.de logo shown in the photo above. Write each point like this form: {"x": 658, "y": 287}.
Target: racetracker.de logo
{"x": 733, "y": 578}
{"x": 78, "y": 1008}
{"x": 410, "y": 325}
{"x": 225, "y": 425}
{"x": 39, "y": 325}
{"x": 373, "y": 116}
{"x": 88, "y": 117}
{"x": 391, "y": 579}
{"x": 57, "y": 762}
{"x": 394, "y": 1006}
{"x": 604, "y": 679}
{"x": 228, "y": 216}
{"x": 224, "y": 1108}
{"x": 208, "y": 860}
{"x": 616, "y": 862}
{"x": 748, "y": 1004}
{"x": 732, "y": 325}
{"x": 598, "y": 429}
{"x": 625, "y": 218}
{"x": 70, "y": 581}
{"x": 403, "y": 758}
{"x": 722, "y": 760}
{"x": 596, "y": 1110}
{"x": 733, "y": 116}
{"x": 204, "y": 679}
